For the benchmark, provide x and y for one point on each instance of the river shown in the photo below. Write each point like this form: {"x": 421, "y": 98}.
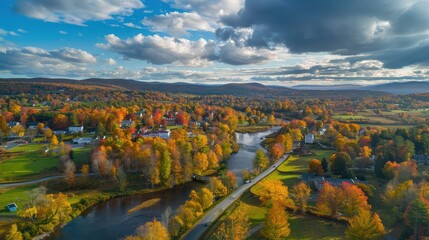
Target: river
{"x": 110, "y": 220}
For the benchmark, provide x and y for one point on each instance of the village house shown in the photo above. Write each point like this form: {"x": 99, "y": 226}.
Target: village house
{"x": 126, "y": 123}
{"x": 165, "y": 134}
{"x": 13, "y": 124}
{"x": 421, "y": 159}
{"x": 32, "y": 125}
{"x": 309, "y": 138}
{"x": 12, "y": 207}
{"x": 318, "y": 182}
{"x": 75, "y": 129}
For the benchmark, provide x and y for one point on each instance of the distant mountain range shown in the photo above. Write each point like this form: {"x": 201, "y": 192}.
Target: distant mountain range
{"x": 237, "y": 89}
{"x": 393, "y": 88}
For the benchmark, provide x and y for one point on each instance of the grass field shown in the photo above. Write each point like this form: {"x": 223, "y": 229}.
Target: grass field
{"x": 28, "y": 165}
{"x": 81, "y": 155}
{"x": 16, "y": 195}
{"x": 299, "y": 164}
{"x": 387, "y": 119}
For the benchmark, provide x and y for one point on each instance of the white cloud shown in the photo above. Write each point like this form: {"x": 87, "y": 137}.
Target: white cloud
{"x": 63, "y": 32}
{"x": 132, "y": 25}
{"x": 176, "y": 23}
{"x": 111, "y": 61}
{"x": 5, "y": 33}
{"x": 168, "y": 50}
{"x": 40, "y": 62}
{"x": 76, "y": 11}
{"x": 159, "y": 50}
{"x": 212, "y": 8}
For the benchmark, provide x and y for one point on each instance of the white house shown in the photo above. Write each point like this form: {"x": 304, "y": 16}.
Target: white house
{"x": 13, "y": 124}
{"x": 126, "y": 123}
{"x": 82, "y": 140}
{"x": 309, "y": 138}
{"x": 161, "y": 133}
{"x": 164, "y": 134}
{"x": 76, "y": 129}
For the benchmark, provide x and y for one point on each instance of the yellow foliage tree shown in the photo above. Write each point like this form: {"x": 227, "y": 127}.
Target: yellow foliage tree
{"x": 276, "y": 223}
{"x": 365, "y": 226}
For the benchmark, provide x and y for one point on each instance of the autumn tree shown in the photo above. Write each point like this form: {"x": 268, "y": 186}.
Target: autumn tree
{"x": 235, "y": 227}
{"x": 69, "y": 172}
{"x": 276, "y": 223}
{"x": 329, "y": 199}
{"x": 276, "y": 152}
{"x": 13, "y": 233}
{"x": 230, "y": 180}
{"x": 365, "y": 226}
{"x": 54, "y": 141}
{"x": 200, "y": 162}
{"x": 48, "y": 134}
{"x": 399, "y": 195}
{"x": 353, "y": 200}
{"x": 206, "y": 198}
{"x": 315, "y": 167}
{"x": 270, "y": 191}
{"x": 217, "y": 187}
{"x": 213, "y": 160}
{"x": 300, "y": 194}
{"x": 152, "y": 230}
{"x": 261, "y": 160}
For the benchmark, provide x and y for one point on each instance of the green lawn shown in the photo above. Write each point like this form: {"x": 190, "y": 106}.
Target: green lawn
{"x": 16, "y": 195}
{"x": 299, "y": 164}
{"x": 81, "y": 155}
{"x": 308, "y": 227}
{"x": 28, "y": 165}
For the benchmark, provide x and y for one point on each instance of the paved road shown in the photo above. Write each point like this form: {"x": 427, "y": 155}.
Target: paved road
{"x": 5, "y": 185}
{"x": 200, "y": 226}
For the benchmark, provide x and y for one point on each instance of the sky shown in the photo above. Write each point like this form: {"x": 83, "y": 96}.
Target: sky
{"x": 274, "y": 42}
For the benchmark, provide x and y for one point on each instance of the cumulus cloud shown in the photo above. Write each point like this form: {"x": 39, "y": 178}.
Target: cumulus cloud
{"x": 76, "y": 11}
{"x": 197, "y": 15}
{"x": 176, "y": 23}
{"x": 378, "y": 29}
{"x": 212, "y": 8}
{"x": 167, "y": 50}
{"x": 159, "y": 50}
{"x": 132, "y": 25}
{"x": 111, "y": 61}
{"x": 37, "y": 61}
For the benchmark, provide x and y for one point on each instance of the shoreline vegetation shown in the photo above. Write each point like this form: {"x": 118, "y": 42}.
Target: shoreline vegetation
{"x": 252, "y": 129}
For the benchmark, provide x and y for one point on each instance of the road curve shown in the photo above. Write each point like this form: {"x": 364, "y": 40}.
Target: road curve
{"x": 17, "y": 184}
{"x": 200, "y": 226}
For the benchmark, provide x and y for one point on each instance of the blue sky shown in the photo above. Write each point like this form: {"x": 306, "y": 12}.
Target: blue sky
{"x": 281, "y": 42}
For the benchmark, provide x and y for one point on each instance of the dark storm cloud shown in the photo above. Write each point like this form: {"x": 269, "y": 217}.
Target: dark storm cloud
{"x": 390, "y": 31}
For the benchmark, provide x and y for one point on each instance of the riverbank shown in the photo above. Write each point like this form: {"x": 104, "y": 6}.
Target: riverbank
{"x": 252, "y": 129}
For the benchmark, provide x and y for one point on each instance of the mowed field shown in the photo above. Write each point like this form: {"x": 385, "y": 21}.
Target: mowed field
{"x": 387, "y": 119}
{"x": 34, "y": 163}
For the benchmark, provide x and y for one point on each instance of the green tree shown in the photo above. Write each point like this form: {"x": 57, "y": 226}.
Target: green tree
{"x": 417, "y": 215}
{"x": 261, "y": 160}
{"x": 339, "y": 162}
{"x": 165, "y": 167}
